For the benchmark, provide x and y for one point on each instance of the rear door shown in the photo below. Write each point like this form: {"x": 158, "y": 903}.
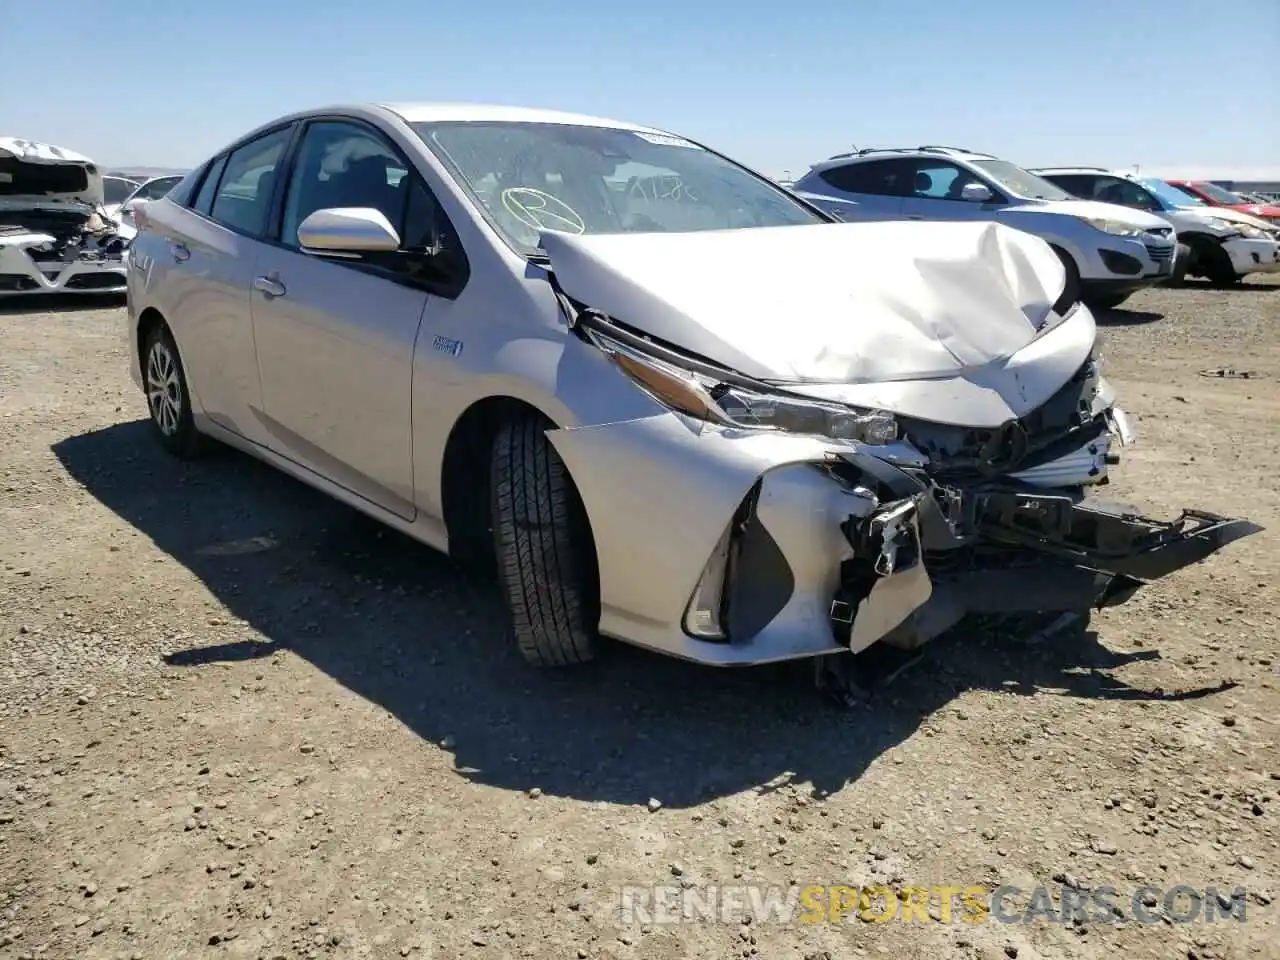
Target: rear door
{"x": 335, "y": 337}
{"x": 867, "y": 189}
{"x": 1082, "y": 185}
{"x": 209, "y": 256}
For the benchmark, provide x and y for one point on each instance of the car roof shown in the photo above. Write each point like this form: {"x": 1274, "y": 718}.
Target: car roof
{"x": 436, "y": 112}
{"x": 1110, "y": 173}
{"x": 883, "y": 153}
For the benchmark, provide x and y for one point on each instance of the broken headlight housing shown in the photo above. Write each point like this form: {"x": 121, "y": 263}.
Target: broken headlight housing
{"x": 741, "y": 403}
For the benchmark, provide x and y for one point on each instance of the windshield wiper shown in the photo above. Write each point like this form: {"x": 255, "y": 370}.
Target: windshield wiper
{"x": 538, "y": 257}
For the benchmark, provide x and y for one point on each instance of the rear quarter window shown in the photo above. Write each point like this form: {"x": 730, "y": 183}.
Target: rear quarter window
{"x": 185, "y": 188}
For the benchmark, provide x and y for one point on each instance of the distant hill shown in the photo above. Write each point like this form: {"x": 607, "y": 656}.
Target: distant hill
{"x": 142, "y": 173}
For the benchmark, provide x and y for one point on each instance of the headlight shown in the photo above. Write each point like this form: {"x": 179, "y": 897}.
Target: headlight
{"x": 1227, "y": 226}
{"x": 734, "y": 405}
{"x": 1115, "y": 228}
{"x": 1252, "y": 232}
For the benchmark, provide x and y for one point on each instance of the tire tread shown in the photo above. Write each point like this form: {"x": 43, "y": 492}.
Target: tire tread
{"x": 543, "y": 567}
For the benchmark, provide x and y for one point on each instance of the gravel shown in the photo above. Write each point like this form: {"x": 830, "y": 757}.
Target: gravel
{"x": 247, "y": 718}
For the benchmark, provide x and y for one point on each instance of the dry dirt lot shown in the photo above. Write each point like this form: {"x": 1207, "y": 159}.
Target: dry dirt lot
{"x": 240, "y": 720}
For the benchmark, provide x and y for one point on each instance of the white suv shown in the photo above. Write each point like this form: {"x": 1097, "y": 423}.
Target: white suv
{"x": 1110, "y": 252}
{"x": 1222, "y": 245}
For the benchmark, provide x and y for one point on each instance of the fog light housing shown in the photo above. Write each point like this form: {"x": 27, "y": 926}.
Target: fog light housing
{"x": 703, "y": 618}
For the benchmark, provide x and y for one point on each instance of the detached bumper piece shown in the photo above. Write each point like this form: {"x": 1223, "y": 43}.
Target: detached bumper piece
{"x": 1020, "y": 552}
{"x": 885, "y": 582}
{"x": 1106, "y": 537}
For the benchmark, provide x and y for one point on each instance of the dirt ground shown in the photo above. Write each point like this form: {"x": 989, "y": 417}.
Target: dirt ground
{"x": 240, "y": 720}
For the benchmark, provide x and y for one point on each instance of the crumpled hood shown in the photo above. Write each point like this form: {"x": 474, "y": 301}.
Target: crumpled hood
{"x": 34, "y": 174}
{"x": 945, "y": 321}
{"x": 1264, "y": 210}
{"x": 1090, "y": 208}
{"x": 1226, "y": 213}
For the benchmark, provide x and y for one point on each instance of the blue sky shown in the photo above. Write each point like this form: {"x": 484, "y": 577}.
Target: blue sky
{"x": 1168, "y": 84}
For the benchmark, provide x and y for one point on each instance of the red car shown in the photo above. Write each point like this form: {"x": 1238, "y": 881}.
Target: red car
{"x": 1216, "y": 196}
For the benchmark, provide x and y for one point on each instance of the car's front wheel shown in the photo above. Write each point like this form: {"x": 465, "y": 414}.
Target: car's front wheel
{"x": 1107, "y": 301}
{"x": 168, "y": 398}
{"x": 546, "y": 558}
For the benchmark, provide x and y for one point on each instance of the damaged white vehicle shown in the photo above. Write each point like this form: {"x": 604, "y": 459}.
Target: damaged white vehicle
{"x": 55, "y": 236}
{"x": 670, "y": 402}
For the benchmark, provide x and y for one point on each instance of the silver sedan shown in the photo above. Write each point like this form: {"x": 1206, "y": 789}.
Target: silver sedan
{"x": 669, "y": 401}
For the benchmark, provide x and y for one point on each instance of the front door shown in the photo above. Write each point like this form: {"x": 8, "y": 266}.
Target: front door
{"x": 335, "y": 339}
{"x": 934, "y": 193}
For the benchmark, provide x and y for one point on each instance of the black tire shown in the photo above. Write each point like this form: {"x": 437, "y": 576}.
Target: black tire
{"x": 1109, "y": 302}
{"x": 545, "y": 557}
{"x": 1070, "y": 289}
{"x": 168, "y": 397}
{"x": 1213, "y": 264}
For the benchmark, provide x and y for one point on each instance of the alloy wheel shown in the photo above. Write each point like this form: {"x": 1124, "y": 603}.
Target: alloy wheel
{"x": 164, "y": 390}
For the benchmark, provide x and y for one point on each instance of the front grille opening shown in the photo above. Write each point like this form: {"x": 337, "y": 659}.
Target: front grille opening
{"x": 95, "y": 281}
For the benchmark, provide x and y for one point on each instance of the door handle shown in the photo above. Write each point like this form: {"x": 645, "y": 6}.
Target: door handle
{"x": 270, "y": 286}
{"x": 915, "y": 216}
{"x": 180, "y": 252}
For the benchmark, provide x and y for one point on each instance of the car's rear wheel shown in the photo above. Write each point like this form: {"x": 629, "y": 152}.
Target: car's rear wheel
{"x": 546, "y": 559}
{"x": 168, "y": 398}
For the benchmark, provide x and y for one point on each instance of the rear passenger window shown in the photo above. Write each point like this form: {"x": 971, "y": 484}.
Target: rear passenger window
{"x": 204, "y": 199}
{"x": 182, "y": 189}
{"x": 1079, "y": 185}
{"x": 882, "y": 178}
{"x": 244, "y": 194}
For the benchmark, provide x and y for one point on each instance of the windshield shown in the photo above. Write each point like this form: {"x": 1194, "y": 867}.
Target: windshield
{"x": 565, "y": 178}
{"x": 1024, "y": 183}
{"x": 1215, "y": 192}
{"x": 1171, "y": 194}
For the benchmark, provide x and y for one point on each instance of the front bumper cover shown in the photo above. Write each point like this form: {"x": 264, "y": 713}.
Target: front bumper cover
{"x": 1249, "y": 255}
{"x": 99, "y": 267}
{"x": 1060, "y": 553}
{"x": 836, "y": 546}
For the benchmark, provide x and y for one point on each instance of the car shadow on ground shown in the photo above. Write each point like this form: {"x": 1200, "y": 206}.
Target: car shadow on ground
{"x": 1244, "y": 286}
{"x": 59, "y": 302}
{"x": 1124, "y": 317}
{"x": 401, "y": 626}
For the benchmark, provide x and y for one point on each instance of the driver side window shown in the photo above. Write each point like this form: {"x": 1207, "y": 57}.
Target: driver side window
{"x": 344, "y": 165}
{"x": 938, "y": 180}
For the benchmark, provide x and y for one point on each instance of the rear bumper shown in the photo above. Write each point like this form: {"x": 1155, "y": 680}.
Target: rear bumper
{"x": 734, "y": 547}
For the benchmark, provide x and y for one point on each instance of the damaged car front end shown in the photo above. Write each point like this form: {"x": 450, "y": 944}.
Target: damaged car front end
{"x": 55, "y": 236}
{"x": 803, "y": 494}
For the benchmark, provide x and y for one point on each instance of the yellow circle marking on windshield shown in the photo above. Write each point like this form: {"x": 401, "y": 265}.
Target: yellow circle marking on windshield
{"x": 542, "y": 211}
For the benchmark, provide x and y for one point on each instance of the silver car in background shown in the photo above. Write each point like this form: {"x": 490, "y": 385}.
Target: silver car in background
{"x": 670, "y": 402}
{"x": 1109, "y": 252}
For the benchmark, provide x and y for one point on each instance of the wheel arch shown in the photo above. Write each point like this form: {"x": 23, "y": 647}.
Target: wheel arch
{"x": 149, "y": 320}
{"x": 465, "y": 473}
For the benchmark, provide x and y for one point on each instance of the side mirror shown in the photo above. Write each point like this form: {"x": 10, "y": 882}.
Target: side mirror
{"x": 348, "y": 230}
{"x": 975, "y": 193}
